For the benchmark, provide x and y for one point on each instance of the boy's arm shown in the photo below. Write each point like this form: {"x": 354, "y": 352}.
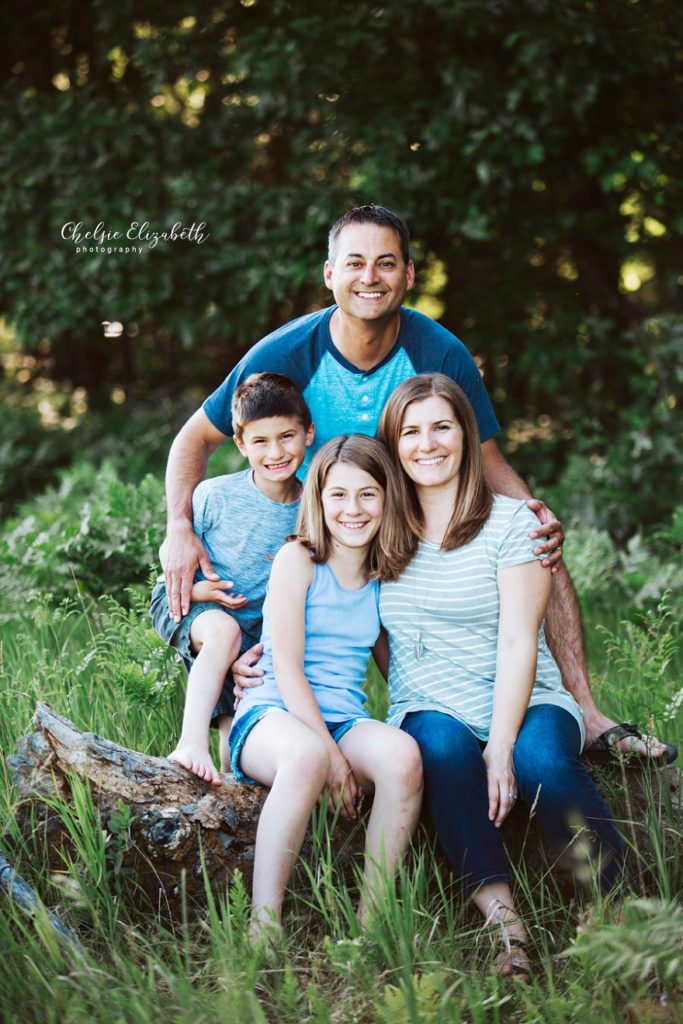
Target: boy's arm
{"x": 182, "y": 553}
{"x": 216, "y": 591}
{"x": 290, "y": 578}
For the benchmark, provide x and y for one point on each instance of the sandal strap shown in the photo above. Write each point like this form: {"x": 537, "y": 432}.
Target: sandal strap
{"x": 621, "y": 732}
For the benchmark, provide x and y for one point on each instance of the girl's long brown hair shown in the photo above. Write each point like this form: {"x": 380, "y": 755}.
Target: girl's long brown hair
{"x": 474, "y": 498}
{"x": 385, "y": 558}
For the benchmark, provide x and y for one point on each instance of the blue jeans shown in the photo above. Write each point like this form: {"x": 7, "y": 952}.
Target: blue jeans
{"x": 550, "y": 777}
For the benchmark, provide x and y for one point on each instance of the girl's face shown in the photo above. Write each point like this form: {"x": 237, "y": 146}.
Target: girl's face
{"x": 353, "y": 503}
{"x": 430, "y": 442}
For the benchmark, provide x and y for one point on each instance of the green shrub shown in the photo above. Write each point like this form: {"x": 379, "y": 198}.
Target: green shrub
{"x": 628, "y": 480}
{"x": 93, "y": 531}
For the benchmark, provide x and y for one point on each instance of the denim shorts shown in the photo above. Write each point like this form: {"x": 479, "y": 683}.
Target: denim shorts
{"x": 177, "y": 634}
{"x": 246, "y": 723}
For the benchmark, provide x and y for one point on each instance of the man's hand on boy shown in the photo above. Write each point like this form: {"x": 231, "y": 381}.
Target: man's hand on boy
{"x": 181, "y": 554}
{"x": 552, "y": 532}
{"x": 246, "y": 671}
{"x": 216, "y": 590}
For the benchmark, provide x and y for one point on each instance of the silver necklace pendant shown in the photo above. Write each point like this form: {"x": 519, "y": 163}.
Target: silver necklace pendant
{"x": 418, "y": 647}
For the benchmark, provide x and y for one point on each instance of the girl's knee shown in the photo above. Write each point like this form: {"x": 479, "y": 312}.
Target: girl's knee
{"x": 397, "y": 766}
{"x": 307, "y": 760}
{"x": 404, "y": 764}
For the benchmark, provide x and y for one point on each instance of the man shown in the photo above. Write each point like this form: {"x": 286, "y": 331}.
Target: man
{"x": 347, "y": 359}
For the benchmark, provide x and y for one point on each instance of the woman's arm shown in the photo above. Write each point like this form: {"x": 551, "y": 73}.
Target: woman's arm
{"x": 290, "y": 578}
{"x": 524, "y": 591}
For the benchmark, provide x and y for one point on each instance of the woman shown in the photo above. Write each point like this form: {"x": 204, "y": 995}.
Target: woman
{"x": 470, "y": 675}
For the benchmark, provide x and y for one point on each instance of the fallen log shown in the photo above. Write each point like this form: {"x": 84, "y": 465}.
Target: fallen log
{"x": 178, "y": 828}
{"x": 21, "y": 893}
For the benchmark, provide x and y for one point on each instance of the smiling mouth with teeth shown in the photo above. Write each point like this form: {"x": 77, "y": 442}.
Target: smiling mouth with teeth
{"x": 430, "y": 462}
{"x": 278, "y": 465}
{"x": 353, "y": 526}
{"x": 370, "y": 295}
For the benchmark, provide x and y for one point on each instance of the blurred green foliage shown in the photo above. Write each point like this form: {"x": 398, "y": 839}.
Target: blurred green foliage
{"x": 536, "y": 150}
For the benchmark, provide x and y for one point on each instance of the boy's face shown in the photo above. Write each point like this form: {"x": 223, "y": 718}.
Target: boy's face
{"x": 275, "y": 446}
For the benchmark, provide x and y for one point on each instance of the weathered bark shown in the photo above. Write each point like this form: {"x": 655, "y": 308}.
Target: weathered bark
{"x": 21, "y": 893}
{"x": 180, "y": 826}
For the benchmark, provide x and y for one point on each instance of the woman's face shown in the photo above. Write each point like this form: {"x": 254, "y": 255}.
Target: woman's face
{"x": 353, "y": 503}
{"x": 430, "y": 443}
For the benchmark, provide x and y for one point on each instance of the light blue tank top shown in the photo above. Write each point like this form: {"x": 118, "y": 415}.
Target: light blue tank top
{"x": 341, "y": 629}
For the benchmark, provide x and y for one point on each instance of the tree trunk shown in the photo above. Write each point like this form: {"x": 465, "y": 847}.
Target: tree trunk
{"x": 168, "y": 827}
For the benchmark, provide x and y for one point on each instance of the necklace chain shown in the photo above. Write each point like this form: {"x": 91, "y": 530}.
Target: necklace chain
{"x": 418, "y": 643}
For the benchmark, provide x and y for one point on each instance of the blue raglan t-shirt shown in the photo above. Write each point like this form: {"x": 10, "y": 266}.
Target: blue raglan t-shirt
{"x": 342, "y": 398}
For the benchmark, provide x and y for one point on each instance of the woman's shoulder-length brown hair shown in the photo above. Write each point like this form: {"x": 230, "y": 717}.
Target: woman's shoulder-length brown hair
{"x": 474, "y": 499}
{"x": 386, "y": 555}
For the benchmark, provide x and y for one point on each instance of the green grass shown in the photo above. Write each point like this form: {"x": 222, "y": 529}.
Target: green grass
{"x": 423, "y": 959}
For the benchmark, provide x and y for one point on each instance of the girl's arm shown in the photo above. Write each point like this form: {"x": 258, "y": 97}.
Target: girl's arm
{"x": 524, "y": 591}
{"x": 290, "y": 578}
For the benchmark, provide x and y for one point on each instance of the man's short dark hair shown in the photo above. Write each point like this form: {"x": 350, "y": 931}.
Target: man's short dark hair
{"x": 371, "y": 214}
{"x": 267, "y": 394}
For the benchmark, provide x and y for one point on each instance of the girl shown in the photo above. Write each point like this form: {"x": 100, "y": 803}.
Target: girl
{"x": 306, "y": 727}
{"x": 471, "y": 677}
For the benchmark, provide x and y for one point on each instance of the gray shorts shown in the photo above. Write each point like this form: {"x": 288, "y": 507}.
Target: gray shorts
{"x": 177, "y": 634}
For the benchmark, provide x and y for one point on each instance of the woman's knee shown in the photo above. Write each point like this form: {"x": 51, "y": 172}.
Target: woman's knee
{"x": 547, "y": 749}
{"x": 445, "y": 743}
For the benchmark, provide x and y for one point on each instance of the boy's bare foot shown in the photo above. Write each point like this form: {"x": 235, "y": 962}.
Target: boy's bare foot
{"x": 198, "y": 761}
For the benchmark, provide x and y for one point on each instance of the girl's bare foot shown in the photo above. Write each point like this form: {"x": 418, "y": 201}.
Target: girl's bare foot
{"x": 198, "y": 761}
{"x": 265, "y": 931}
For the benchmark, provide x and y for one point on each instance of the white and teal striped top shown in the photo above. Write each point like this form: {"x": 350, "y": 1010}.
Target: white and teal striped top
{"x": 451, "y": 597}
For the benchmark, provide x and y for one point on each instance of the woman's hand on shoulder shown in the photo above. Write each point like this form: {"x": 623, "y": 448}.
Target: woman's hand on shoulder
{"x": 501, "y": 780}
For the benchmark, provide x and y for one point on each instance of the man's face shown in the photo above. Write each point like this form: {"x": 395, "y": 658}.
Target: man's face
{"x": 368, "y": 277}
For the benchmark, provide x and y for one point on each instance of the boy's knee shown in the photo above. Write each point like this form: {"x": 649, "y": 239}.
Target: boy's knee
{"x": 221, "y": 636}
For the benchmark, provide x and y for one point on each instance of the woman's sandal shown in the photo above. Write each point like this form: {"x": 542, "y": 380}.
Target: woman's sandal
{"x": 512, "y": 961}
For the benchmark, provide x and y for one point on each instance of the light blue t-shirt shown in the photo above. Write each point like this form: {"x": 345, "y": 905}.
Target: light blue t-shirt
{"x": 242, "y": 530}
{"x": 342, "y": 627}
{"x": 342, "y": 398}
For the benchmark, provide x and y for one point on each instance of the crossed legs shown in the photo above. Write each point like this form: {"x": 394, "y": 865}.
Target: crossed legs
{"x": 549, "y": 775}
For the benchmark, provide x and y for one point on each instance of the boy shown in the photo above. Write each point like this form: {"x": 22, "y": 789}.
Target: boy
{"x": 243, "y": 520}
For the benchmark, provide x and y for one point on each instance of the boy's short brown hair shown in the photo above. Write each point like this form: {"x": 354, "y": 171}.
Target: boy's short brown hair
{"x": 267, "y": 394}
